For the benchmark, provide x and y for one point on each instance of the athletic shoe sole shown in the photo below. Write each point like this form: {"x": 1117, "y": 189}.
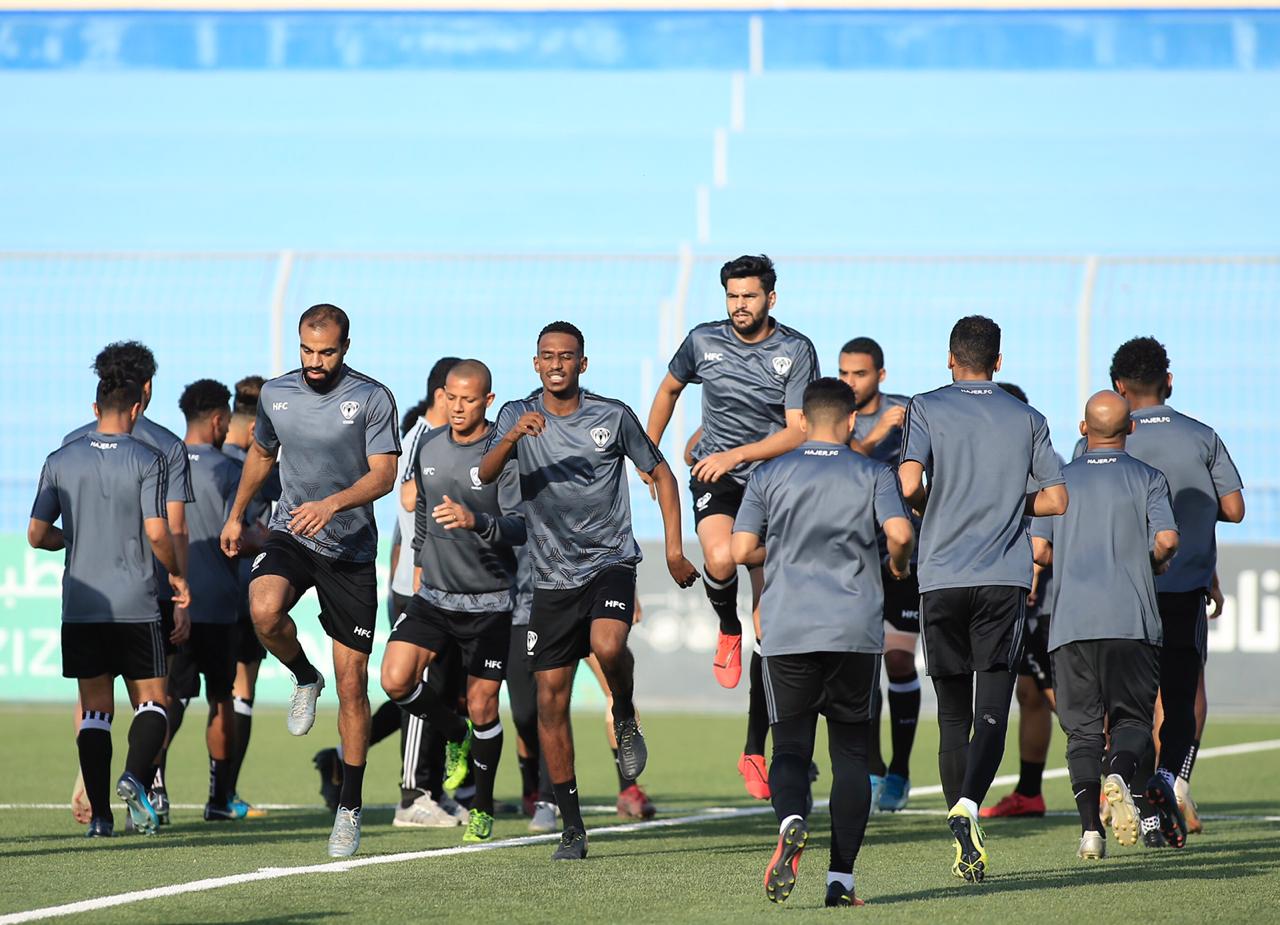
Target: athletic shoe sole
{"x": 140, "y": 811}
{"x": 780, "y": 875}
{"x": 1123, "y": 814}
{"x": 1172, "y": 826}
{"x": 970, "y": 864}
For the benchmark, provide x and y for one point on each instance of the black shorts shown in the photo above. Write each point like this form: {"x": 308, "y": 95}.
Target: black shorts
{"x": 130, "y": 650}
{"x": 348, "y": 591}
{"x": 1035, "y": 662}
{"x": 839, "y": 685}
{"x": 1104, "y": 681}
{"x": 722, "y": 497}
{"x": 396, "y": 605}
{"x": 901, "y": 601}
{"x": 559, "y": 632}
{"x": 482, "y": 639}
{"x": 249, "y": 648}
{"x": 210, "y": 650}
{"x": 166, "y": 626}
{"x": 1185, "y": 618}
{"x": 972, "y": 629}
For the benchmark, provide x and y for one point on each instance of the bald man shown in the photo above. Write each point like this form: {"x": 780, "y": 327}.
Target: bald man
{"x": 1118, "y": 533}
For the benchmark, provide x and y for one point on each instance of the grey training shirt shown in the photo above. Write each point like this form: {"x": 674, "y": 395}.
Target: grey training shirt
{"x": 747, "y": 389}
{"x": 466, "y": 571}
{"x": 103, "y": 487}
{"x": 1103, "y": 582}
{"x": 817, "y": 509}
{"x": 214, "y": 579}
{"x": 178, "y": 473}
{"x": 888, "y": 450}
{"x": 574, "y": 484}
{"x": 326, "y": 440}
{"x": 1200, "y": 471}
{"x": 978, "y": 445}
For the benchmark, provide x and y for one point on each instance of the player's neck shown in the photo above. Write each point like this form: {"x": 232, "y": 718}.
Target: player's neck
{"x": 110, "y": 424}
{"x": 1151, "y": 400}
{"x": 872, "y": 406}
{"x": 238, "y": 434}
{"x": 198, "y": 436}
{"x": 474, "y": 435}
{"x": 561, "y": 405}
{"x": 1105, "y": 443}
{"x": 964, "y": 374}
{"x": 827, "y": 435}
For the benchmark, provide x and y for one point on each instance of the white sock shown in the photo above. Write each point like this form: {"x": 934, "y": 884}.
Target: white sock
{"x": 786, "y": 822}
{"x": 340, "y": 755}
{"x": 968, "y": 806}
{"x": 845, "y": 880}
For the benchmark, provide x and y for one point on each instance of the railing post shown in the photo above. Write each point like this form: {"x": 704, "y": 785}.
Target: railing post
{"x": 1084, "y": 333}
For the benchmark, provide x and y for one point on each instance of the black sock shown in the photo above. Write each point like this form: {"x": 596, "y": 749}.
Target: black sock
{"x": 723, "y": 595}
{"x": 1123, "y": 763}
{"x": 174, "y": 713}
{"x": 146, "y": 736}
{"x": 1087, "y": 795}
{"x": 567, "y": 800}
{"x": 219, "y": 777}
{"x": 1030, "y": 778}
{"x": 623, "y": 782}
{"x": 242, "y": 721}
{"x": 993, "y": 691}
{"x": 486, "y": 750}
{"x": 904, "y": 717}
{"x": 444, "y": 719}
{"x": 1189, "y": 763}
{"x": 529, "y": 775}
{"x": 757, "y": 709}
{"x": 352, "y": 786}
{"x": 302, "y": 670}
{"x": 875, "y": 758}
{"x": 385, "y": 722}
{"x": 94, "y": 745}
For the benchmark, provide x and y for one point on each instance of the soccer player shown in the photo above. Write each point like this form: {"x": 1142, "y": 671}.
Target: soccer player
{"x": 978, "y": 446}
{"x": 133, "y": 361}
{"x": 1105, "y": 635}
{"x": 210, "y": 650}
{"x": 337, "y": 428}
{"x": 570, "y": 445}
{"x": 249, "y": 650}
{"x": 818, "y": 511}
{"x": 465, "y": 567}
{"x": 753, "y": 371}
{"x": 1034, "y": 691}
{"x": 1206, "y": 488}
{"x": 109, "y": 490}
{"x": 877, "y": 432}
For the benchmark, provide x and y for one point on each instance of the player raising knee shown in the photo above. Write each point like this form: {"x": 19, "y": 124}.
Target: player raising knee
{"x": 465, "y": 572}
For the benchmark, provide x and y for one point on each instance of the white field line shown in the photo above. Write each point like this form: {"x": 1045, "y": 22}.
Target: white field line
{"x": 713, "y": 814}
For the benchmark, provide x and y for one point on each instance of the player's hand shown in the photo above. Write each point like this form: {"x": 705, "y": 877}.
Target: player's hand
{"x": 232, "y": 531}
{"x": 710, "y": 468}
{"x": 902, "y": 575}
{"x": 453, "y": 515}
{"x": 181, "y": 623}
{"x": 892, "y": 419}
{"x": 1216, "y": 600}
{"x": 649, "y": 480}
{"x": 682, "y": 570}
{"x": 310, "y": 517}
{"x": 531, "y": 424}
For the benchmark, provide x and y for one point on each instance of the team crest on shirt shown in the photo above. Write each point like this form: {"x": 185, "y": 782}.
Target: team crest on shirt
{"x": 476, "y": 484}
{"x": 531, "y": 640}
{"x": 781, "y": 365}
{"x": 601, "y": 436}
{"x": 349, "y": 410}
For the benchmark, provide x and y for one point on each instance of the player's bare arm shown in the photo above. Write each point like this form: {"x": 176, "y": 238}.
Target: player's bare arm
{"x": 257, "y": 467}
{"x": 902, "y": 542}
{"x": 42, "y": 535}
{"x": 1047, "y": 502}
{"x": 716, "y": 465}
{"x": 531, "y": 424}
{"x": 747, "y": 549}
{"x": 1163, "y": 549}
{"x": 664, "y": 405}
{"x": 161, "y": 540}
{"x": 681, "y": 569}
{"x": 310, "y": 517}
{"x": 1041, "y": 552}
{"x": 914, "y": 491}
{"x": 1231, "y": 507}
{"x": 891, "y": 420}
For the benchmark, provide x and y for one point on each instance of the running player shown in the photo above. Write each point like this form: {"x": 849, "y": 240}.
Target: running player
{"x": 211, "y": 648}
{"x": 753, "y": 371}
{"x": 1034, "y": 691}
{"x": 337, "y": 428}
{"x": 877, "y": 432}
{"x": 249, "y": 650}
{"x": 977, "y": 445}
{"x": 134, "y": 361}
{"x": 819, "y": 510}
{"x": 1106, "y": 628}
{"x": 109, "y": 490}
{"x": 1206, "y": 488}
{"x": 465, "y": 567}
{"x": 570, "y": 445}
